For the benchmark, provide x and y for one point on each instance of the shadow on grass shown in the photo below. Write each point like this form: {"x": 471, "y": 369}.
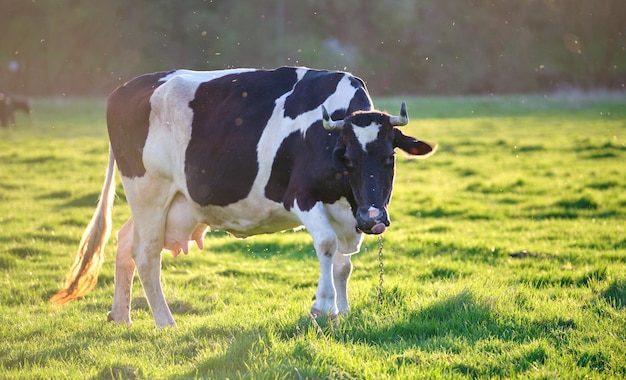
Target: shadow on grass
{"x": 477, "y": 253}
{"x": 547, "y": 280}
{"x": 177, "y": 307}
{"x": 615, "y": 294}
{"x": 457, "y": 321}
{"x": 461, "y": 316}
{"x": 87, "y": 201}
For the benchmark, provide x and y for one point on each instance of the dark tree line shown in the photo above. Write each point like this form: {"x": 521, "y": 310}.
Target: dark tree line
{"x": 74, "y": 47}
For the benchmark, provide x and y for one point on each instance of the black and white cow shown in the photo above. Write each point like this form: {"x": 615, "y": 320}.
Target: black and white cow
{"x": 245, "y": 151}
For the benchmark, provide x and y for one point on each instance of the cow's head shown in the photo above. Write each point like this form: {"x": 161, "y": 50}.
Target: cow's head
{"x": 365, "y": 153}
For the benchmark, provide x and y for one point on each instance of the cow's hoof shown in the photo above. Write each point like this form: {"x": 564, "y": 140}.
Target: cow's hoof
{"x": 110, "y": 318}
{"x": 316, "y": 313}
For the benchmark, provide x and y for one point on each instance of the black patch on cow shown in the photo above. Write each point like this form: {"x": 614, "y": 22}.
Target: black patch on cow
{"x": 128, "y": 121}
{"x": 360, "y": 100}
{"x": 356, "y": 82}
{"x": 303, "y": 170}
{"x": 230, "y": 114}
{"x": 311, "y": 91}
{"x": 363, "y": 119}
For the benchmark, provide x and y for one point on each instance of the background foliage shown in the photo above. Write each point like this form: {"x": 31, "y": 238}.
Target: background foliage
{"x": 398, "y": 46}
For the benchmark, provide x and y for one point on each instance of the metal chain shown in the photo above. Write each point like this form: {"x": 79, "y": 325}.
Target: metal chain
{"x": 381, "y": 269}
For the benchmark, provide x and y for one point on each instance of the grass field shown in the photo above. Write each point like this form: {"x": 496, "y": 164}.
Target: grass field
{"x": 506, "y": 258}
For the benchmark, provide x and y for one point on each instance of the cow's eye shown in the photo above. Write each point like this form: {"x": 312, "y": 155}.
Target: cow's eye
{"x": 348, "y": 162}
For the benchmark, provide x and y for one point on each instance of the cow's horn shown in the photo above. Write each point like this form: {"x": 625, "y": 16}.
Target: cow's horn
{"x": 403, "y": 119}
{"x": 329, "y": 124}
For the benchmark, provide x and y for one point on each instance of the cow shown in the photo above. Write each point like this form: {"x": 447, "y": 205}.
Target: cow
{"x": 8, "y": 105}
{"x": 247, "y": 151}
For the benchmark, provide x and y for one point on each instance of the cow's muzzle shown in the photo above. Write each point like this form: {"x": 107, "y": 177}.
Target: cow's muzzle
{"x": 372, "y": 220}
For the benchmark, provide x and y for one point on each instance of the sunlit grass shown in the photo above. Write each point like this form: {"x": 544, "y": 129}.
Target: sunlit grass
{"x": 506, "y": 258}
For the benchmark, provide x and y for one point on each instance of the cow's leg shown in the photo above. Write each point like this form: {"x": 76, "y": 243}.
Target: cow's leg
{"x": 149, "y": 199}
{"x": 325, "y": 297}
{"x": 325, "y": 243}
{"x": 124, "y": 273}
{"x": 148, "y": 261}
{"x": 342, "y": 268}
{"x": 349, "y": 242}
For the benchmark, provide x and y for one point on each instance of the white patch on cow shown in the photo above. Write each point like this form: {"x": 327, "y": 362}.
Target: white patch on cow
{"x": 170, "y": 128}
{"x": 251, "y": 216}
{"x": 343, "y": 222}
{"x": 367, "y": 134}
{"x": 202, "y": 76}
{"x": 301, "y": 72}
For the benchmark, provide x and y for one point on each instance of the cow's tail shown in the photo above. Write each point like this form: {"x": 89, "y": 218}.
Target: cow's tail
{"x": 83, "y": 275}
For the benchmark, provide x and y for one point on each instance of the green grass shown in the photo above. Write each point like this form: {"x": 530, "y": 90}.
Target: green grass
{"x": 506, "y": 258}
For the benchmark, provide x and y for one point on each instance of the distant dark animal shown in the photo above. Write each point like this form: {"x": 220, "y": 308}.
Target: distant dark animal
{"x": 8, "y": 106}
{"x": 249, "y": 152}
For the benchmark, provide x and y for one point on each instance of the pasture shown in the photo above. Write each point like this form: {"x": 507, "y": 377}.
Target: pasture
{"x": 506, "y": 257}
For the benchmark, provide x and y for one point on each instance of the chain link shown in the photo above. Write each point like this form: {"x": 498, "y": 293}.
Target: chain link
{"x": 381, "y": 269}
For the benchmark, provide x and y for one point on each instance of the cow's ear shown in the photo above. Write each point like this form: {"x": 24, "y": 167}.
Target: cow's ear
{"x": 412, "y": 146}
